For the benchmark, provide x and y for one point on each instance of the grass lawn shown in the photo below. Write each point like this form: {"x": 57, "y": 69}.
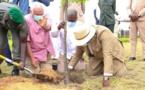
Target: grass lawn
{"x": 134, "y": 80}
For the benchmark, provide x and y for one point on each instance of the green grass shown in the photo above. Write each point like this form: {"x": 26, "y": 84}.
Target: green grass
{"x": 124, "y": 40}
{"x": 134, "y": 80}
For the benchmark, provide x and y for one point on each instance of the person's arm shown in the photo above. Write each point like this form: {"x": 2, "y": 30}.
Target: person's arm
{"x": 142, "y": 12}
{"x": 76, "y": 57}
{"x": 59, "y": 27}
{"x": 129, "y": 8}
{"x": 23, "y": 32}
{"x": 107, "y": 46}
{"x": 30, "y": 55}
{"x": 46, "y": 22}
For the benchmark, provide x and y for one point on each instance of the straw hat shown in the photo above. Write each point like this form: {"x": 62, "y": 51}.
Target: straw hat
{"x": 83, "y": 33}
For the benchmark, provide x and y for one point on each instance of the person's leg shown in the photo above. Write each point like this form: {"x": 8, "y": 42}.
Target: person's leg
{"x": 119, "y": 68}
{"x": 133, "y": 38}
{"x": 46, "y": 64}
{"x": 3, "y": 36}
{"x": 29, "y": 66}
{"x": 141, "y": 29}
{"x": 7, "y": 52}
{"x": 60, "y": 67}
{"x": 96, "y": 68}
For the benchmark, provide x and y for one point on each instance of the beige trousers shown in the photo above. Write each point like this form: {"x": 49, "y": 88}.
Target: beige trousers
{"x": 41, "y": 65}
{"x": 79, "y": 66}
{"x": 134, "y": 28}
{"x": 119, "y": 68}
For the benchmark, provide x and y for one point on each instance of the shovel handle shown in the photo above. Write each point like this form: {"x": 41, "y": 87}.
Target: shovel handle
{"x": 2, "y": 57}
{"x": 9, "y": 60}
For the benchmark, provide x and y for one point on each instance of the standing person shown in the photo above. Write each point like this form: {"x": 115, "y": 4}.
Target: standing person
{"x": 136, "y": 11}
{"x": 107, "y": 11}
{"x": 39, "y": 44}
{"x": 105, "y": 51}
{"x": 95, "y": 16}
{"x": 54, "y": 6}
{"x": 11, "y": 18}
{"x": 78, "y": 6}
{"x": 71, "y": 47}
{"x": 23, "y": 4}
{"x": 45, "y": 2}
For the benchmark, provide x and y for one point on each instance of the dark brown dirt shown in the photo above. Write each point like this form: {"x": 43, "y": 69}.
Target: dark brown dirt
{"x": 48, "y": 75}
{"x": 76, "y": 79}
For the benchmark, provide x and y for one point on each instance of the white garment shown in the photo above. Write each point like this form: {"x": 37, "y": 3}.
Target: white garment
{"x": 89, "y": 11}
{"x": 71, "y": 46}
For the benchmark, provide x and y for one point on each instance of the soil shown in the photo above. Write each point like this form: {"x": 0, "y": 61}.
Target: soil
{"x": 21, "y": 83}
{"x": 77, "y": 79}
{"x": 48, "y": 75}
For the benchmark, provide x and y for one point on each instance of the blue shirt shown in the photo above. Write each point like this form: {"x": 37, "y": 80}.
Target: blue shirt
{"x": 23, "y": 4}
{"x": 45, "y": 2}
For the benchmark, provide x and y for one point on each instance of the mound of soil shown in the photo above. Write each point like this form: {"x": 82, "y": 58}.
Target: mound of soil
{"x": 48, "y": 75}
{"x": 75, "y": 79}
{"x": 21, "y": 83}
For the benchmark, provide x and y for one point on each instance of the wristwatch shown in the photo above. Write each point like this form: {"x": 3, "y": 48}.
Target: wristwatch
{"x": 138, "y": 15}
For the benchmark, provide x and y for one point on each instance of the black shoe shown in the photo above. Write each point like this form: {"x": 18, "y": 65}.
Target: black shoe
{"x": 132, "y": 59}
{"x": 144, "y": 59}
{"x": 0, "y": 71}
{"x": 54, "y": 66}
{"x": 15, "y": 71}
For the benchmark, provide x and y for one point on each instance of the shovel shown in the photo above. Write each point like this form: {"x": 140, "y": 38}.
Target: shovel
{"x": 36, "y": 75}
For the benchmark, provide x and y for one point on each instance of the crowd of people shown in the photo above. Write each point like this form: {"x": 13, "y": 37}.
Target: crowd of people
{"x": 33, "y": 31}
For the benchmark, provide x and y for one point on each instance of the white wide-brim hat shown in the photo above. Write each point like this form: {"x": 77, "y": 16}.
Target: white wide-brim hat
{"x": 83, "y": 33}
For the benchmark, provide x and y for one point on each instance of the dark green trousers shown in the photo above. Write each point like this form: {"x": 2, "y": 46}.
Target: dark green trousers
{"x": 111, "y": 27}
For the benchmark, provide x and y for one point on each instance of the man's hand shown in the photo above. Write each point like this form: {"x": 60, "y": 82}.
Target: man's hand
{"x": 21, "y": 67}
{"x": 34, "y": 63}
{"x": 43, "y": 22}
{"x": 133, "y": 17}
{"x": 61, "y": 25}
{"x": 106, "y": 82}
